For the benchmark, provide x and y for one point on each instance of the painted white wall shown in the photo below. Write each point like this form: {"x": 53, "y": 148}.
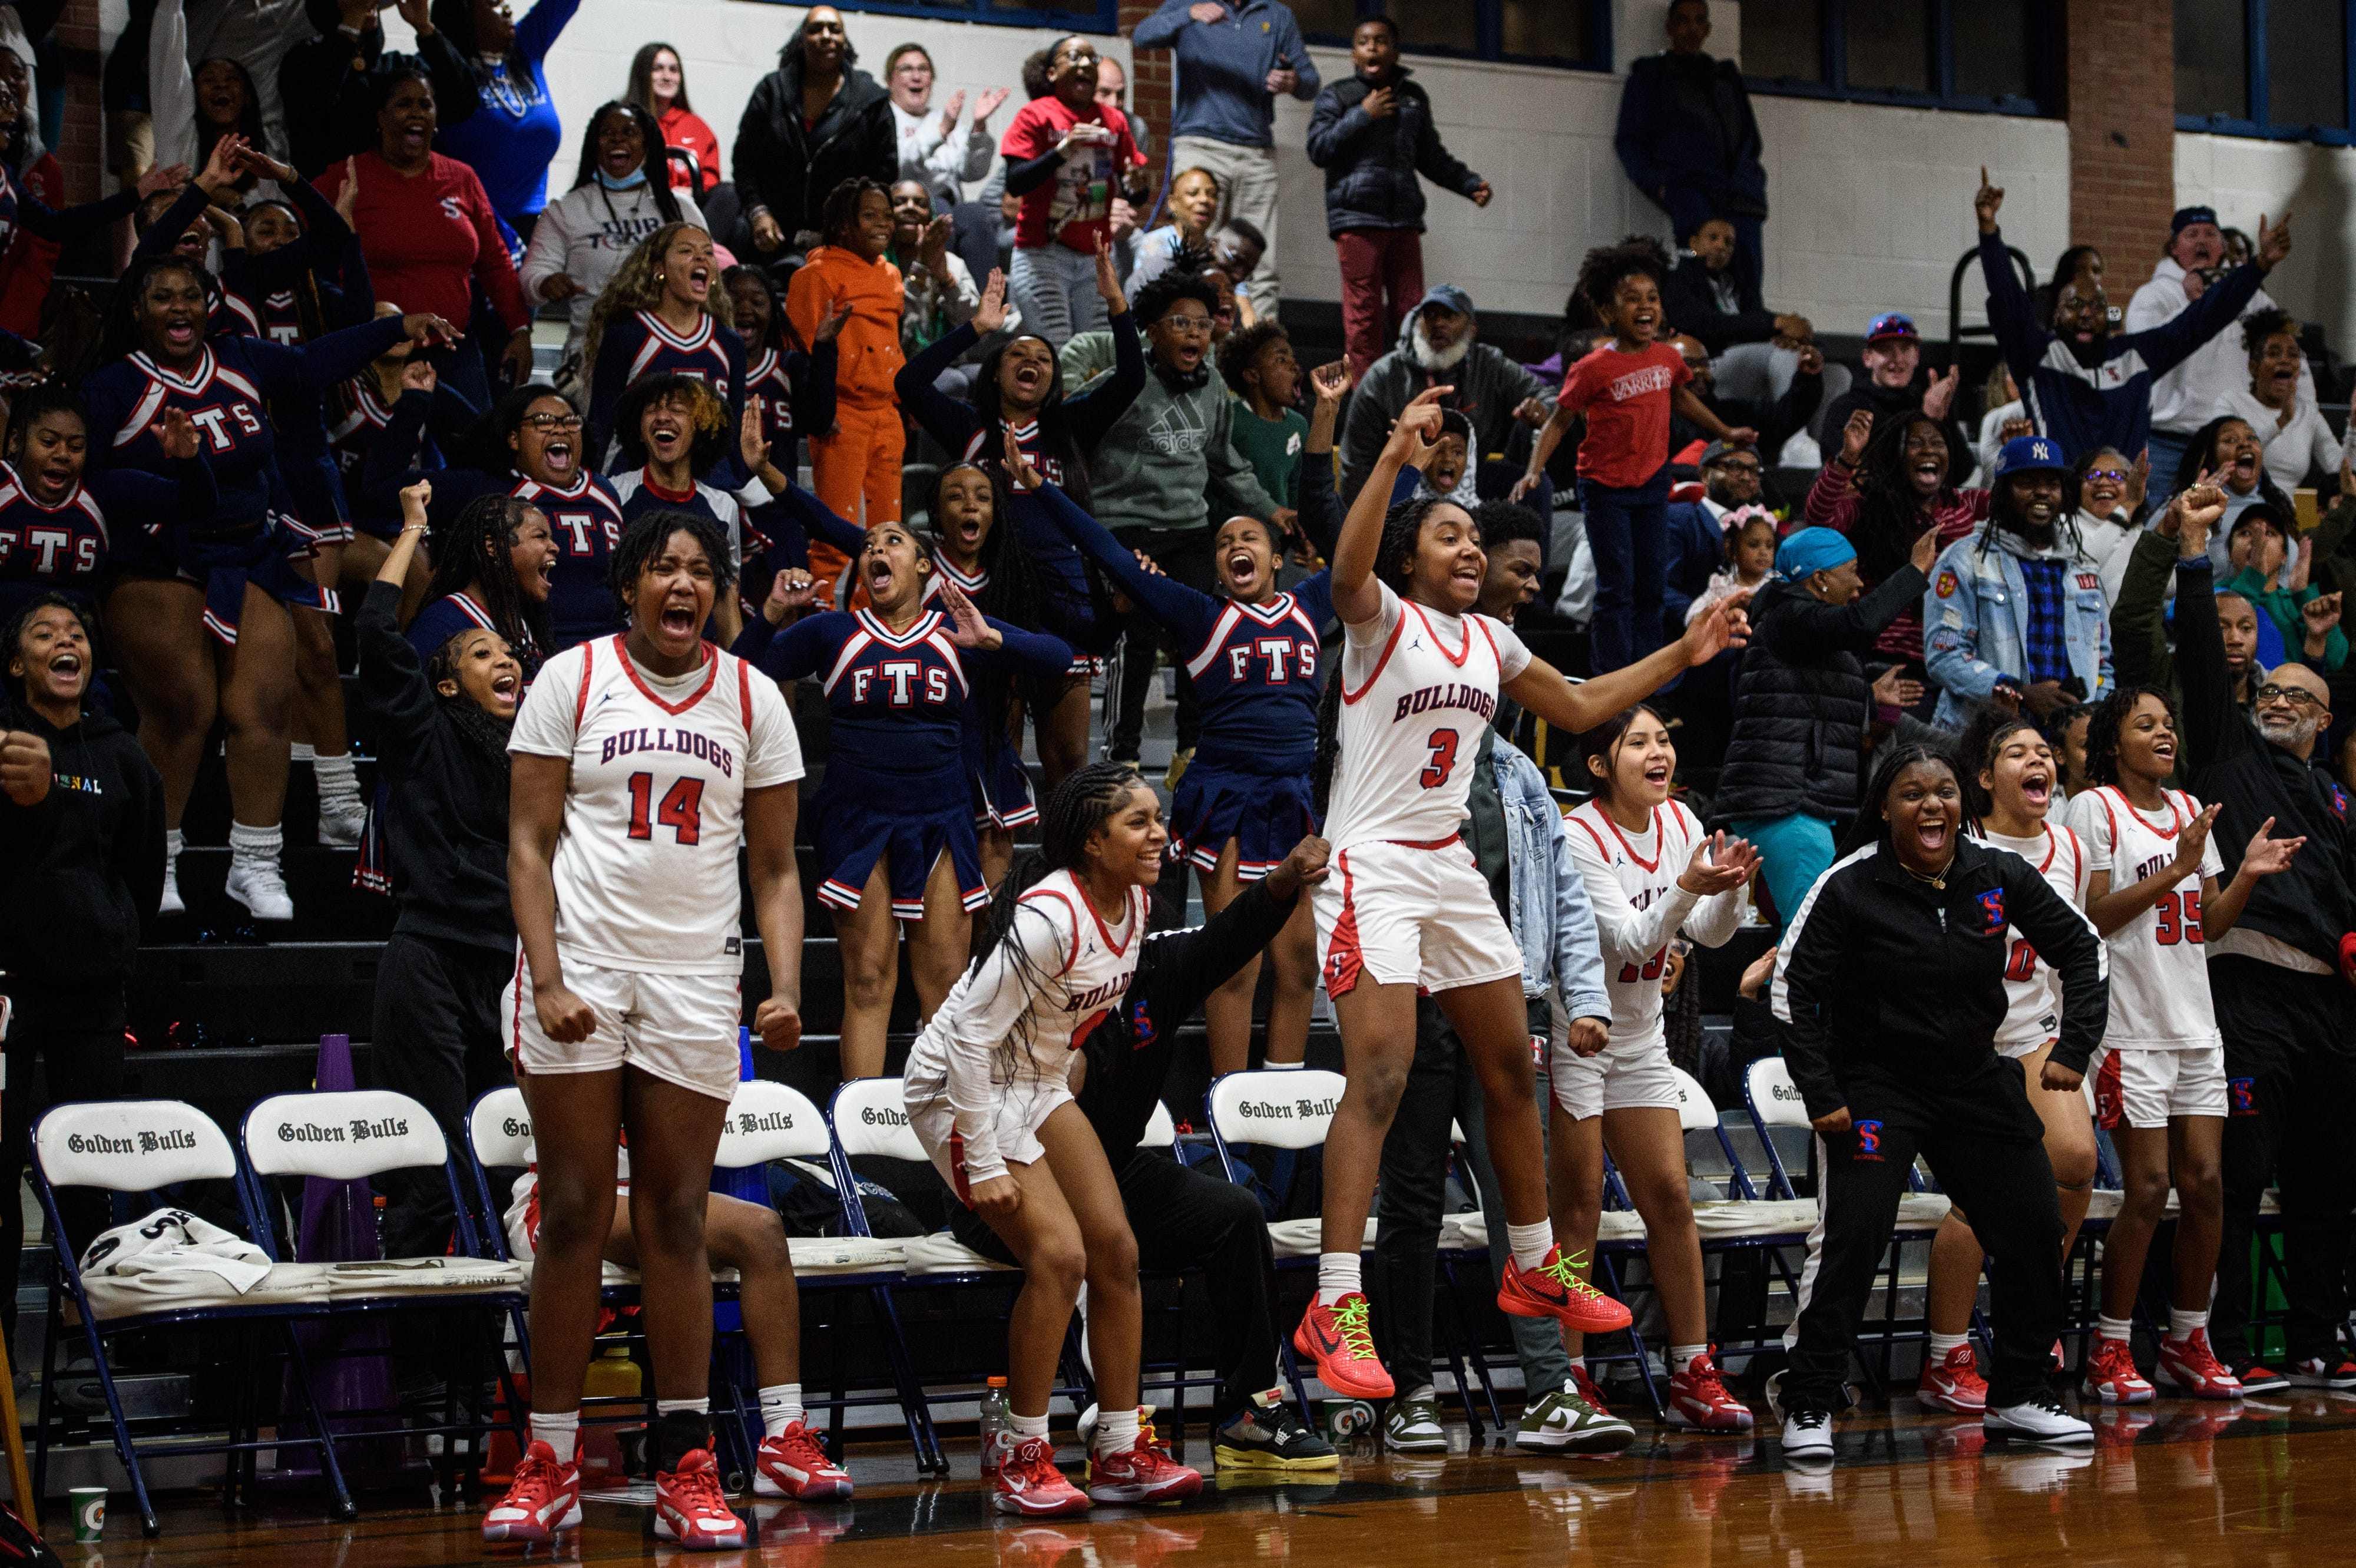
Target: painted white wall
{"x": 2242, "y": 177}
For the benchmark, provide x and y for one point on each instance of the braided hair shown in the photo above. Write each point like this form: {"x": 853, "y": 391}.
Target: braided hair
{"x": 2103, "y": 731}
{"x": 478, "y": 553}
{"x": 1015, "y": 593}
{"x": 1872, "y": 827}
{"x": 1394, "y": 565}
{"x": 1977, "y": 749}
{"x": 1890, "y": 516}
{"x": 642, "y": 541}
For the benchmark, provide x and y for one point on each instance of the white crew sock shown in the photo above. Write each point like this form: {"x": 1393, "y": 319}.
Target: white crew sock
{"x": 173, "y": 843}
{"x": 560, "y": 1433}
{"x": 673, "y": 1407}
{"x": 2119, "y": 1328}
{"x": 248, "y": 845}
{"x": 781, "y": 1406}
{"x": 1579, "y": 1363}
{"x": 1283, "y": 1066}
{"x": 1529, "y": 1243}
{"x": 338, "y": 778}
{"x": 1683, "y": 1356}
{"x": 1941, "y": 1344}
{"x": 1116, "y": 1431}
{"x": 1027, "y": 1426}
{"x": 1337, "y": 1277}
{"x": 300, "y": 751}
{"x": 2180, "y": 1324}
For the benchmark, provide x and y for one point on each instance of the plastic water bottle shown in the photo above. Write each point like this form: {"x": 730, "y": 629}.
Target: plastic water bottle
{"x": 996, "y": 1420}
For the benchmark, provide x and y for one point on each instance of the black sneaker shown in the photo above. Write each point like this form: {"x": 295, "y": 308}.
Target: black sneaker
{"x": 1268, "y": 1435}
{"x": 2257, "y": 1377}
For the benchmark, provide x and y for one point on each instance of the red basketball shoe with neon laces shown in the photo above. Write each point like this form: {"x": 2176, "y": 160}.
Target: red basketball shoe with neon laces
{"x": 1341, "y": 1339}
{"x": 1558, "y": 1288}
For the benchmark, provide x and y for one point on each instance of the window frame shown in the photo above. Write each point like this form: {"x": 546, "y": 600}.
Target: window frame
{"x": 2260, "y": 128}
{"x": 2043, "y": 101}
{"x": 1489, "y": 31}
{"x": 983, "y": 13}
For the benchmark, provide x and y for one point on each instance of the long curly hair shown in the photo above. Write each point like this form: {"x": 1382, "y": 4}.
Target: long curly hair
{"x": 1889, "y": 514}
{"x": 2111, "y": 715}
{"x": 634, "y": 285}
{"x": 1016, "y": 595}
{"x": 1394, "y": 565}
{"x": 711, "y": 435}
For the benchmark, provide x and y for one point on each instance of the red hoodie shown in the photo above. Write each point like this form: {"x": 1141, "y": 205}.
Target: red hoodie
{"x": 425, "y": 235}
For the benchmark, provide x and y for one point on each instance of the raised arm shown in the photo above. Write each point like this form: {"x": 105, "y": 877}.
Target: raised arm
{"x": 2017, "y": 331}
{"x": 1548, "y": 693}
{"x": 1181, "y": 608}
{"x": 1357, "y": 598}
{"x": 393, "y": 682}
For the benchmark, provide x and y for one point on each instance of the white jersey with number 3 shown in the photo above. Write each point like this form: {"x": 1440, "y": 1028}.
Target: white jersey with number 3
{"x": 2159, "y": 968}
{"x": 2032, "y": 992}
{"x": 1418, "y": 685}
{"x": 646, "y": 861}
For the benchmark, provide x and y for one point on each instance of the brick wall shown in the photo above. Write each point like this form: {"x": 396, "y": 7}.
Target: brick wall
{"x": 2120, "y": 81}
{"x": 1149, "y": 77}
{"x": 78, "y": 135}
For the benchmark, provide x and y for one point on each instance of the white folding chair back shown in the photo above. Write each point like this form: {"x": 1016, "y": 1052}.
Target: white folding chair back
{"x": 769, "y": 1120}
{"x": 1160, "y": 1130}
{"x": 131, "y": 1145}
{"x": 1774, "y": 1098}
{"x": 500, "y": 1130}
{"x": 1281, "y": 1110}
{"x": 344, "y": 1136}
{"x": 871, "y": 1117}
{"x": 1695, "y": 1112}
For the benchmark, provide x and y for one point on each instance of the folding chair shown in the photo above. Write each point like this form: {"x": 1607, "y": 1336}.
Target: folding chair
{"x": 1460, "y": 1339}
{"x": 1162, "y": 1133}
{"x": 354, "y": 1135}
{"x": 144, "y": 1146}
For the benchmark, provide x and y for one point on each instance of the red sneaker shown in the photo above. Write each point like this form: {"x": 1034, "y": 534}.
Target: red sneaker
{"x": 1341, "y": 1339}
{"x": 2111, "y": 1375}
{"x": 1587, "y": 1389}
{"x": 1699, "y": 1399}
{"x": 793, "y": 1464}
{"x": 1028, "y": 1482}
{"x": 1141, "y": 1474}
{"x": 1558, "y": 1288}
{"x": 2188, "y": 1366}
{"x": 691, "y": 1509}
{"x": 1952, "y": 1385}
{"x": 543, "y": 1498}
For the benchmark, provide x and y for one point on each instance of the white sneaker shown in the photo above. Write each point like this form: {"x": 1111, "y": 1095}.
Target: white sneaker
{"x": 2039, "y": 1420}
{"x": 341, "y": 823}
{"x": 1808, "y": 1435}
{"x": 171, "y": 904}
{"x": 262, "y": 888}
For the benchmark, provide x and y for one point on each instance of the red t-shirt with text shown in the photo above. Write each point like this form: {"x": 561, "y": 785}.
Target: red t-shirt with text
{"x": 1626, "y": 397}
{"x": 1075, "y": 204}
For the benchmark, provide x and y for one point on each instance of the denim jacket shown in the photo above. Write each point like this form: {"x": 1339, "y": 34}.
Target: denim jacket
{"x": 1550, "y": 915}
{"x": 1976, "y": 628}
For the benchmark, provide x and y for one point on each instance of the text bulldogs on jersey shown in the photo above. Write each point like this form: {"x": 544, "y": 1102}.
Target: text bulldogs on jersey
{"x": 1454, "y": 694}
{"x": 626, "y": 743}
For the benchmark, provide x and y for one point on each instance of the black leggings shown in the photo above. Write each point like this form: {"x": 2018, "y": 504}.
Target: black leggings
{"x": 436, "y": 1039}
{"x": 75, "y": 1033}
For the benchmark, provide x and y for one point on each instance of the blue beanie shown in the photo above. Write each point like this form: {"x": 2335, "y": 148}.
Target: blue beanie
{"x": 1809, "y": 551}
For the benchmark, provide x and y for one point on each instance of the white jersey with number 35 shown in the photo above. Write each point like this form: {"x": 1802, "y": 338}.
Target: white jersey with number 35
{"x": 646, "y": 861}
{"x": 2159, "y": 968}
{"x": 1418, "y": 685}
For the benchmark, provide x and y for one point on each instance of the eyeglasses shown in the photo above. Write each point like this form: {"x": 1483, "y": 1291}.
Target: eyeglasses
{"x": 545, "y": 422}
{"x": 1192, "y": 325}
{"x": 2298, "y": 697}
{"x": 1733, "y": 467}
{"x": 2116, "y": 476}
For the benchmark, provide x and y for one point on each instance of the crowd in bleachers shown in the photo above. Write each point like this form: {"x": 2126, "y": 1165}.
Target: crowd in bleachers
{"x": 964, "y": 461}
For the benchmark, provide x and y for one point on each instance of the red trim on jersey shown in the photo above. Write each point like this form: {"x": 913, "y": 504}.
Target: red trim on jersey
{"x": 581, "y": 698}
{"x": 1660, "y": 841}
{"x": 1462, "y": 654}
{"x": 1435, "y": 844}
{"x": 711, "y": 676}
{"x": 1344, "y": 961}
{"x": 1575, "y": 820}
{"x": 677, "y": 498}
{"x": 1072, "y": 957}
{"x": 956, "y": 1168}
{"x": 744, "y": 694}
{"x": 1350, "y": 698}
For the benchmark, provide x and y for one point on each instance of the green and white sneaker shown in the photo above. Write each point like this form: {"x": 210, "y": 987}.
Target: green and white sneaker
{"x": 1411, "y": 1425}
{"x": 1561, "y": 1422}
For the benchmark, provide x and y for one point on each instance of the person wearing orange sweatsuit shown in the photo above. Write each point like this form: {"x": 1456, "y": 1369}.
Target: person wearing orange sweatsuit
{"x": 860, "y": 458}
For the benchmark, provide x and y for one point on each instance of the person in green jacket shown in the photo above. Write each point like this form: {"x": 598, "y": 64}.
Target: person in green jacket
{"x": 1161, "y": 470}
{"x": 2307, "y": 618}
{"x": 2140, "y": 655}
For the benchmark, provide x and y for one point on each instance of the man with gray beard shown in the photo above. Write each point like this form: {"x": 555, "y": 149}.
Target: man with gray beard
{"x": 1439, "y": 348}
{"x": 2282, "y": 982}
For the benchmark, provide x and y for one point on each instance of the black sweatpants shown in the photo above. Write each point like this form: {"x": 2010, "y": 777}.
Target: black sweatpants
{"x": 2290, "y": 1077}
{"x": 1185, "y": 1219}
{"x": 75, "y": 1032}
{"x": 1185, "y": 555}
{"x": 436, "y": 1039}
{"x": 2004, "y": 1183}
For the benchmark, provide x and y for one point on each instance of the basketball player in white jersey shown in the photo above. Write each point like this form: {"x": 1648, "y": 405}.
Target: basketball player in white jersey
{"x": 2159, "y": 1076}
{"x": 2011, "y": 778}
{"x": 989, "y": 1097}
{"x": 1649, "y": 870}
{"x": 1404, "y": 907}
{"x": 642, "y": 762}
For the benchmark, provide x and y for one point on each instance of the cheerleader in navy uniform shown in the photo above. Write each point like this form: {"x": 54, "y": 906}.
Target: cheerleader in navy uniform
{"x": 892, "y": 821}
{"x": 529, "y": 446}
{"x": 1020, "y": 389}
{"x": 663, "y": 314}
{"x": 792, "y": 387}
{"x": 1244, "y": 801}
{"x": 227, "y": 572}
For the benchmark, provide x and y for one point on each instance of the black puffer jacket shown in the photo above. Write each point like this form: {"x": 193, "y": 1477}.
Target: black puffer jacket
{"x": 789, "y": 170}
{"x": 1694, "y": 308}
{"x": 1803, "y": 702}
{"x": 1371, "y": 166}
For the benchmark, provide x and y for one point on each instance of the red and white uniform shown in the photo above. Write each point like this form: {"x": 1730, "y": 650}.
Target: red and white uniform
{"x": 2032, "y": 992}
{"x": 1406, "y": 904}
{"x": 990, "y": 1065}
{"x": 646, "y": 903}
{"x": 2162, "y": 1056}
{"x": 1632, "y": 884}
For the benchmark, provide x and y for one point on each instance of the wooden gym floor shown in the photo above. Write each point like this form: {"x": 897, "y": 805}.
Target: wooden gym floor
{"x": 2178, "y": 1483}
